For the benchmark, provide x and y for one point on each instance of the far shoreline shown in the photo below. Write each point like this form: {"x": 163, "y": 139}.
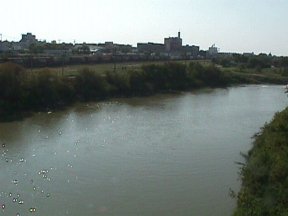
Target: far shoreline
{"x": 46, "y": 90}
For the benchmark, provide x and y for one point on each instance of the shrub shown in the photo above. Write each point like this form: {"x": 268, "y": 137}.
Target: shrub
{"x": 90, "y": 85}
{"x": 265, "y": 174}
{"x": 11, "y": 82}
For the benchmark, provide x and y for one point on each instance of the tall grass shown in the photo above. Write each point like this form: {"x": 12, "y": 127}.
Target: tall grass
{"x": 264, "y": 177}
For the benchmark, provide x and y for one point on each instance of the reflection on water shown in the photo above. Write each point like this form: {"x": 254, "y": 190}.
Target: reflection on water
{"x": 161, "y": 155}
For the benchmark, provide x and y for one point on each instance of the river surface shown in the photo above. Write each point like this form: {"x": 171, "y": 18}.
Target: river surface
{"x": 160, "y": 155}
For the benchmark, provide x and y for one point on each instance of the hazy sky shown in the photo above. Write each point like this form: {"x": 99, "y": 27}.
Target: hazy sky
{"x": 233, "y": 25}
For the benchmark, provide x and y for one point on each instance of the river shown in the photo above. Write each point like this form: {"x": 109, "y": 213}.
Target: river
{"x": 161, "y": 155}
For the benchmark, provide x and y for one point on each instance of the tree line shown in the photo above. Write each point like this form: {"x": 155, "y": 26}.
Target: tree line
{"x": 259, "y": 62}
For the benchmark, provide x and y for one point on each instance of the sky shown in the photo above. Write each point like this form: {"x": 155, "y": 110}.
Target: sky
{"x": 258, "y": 26}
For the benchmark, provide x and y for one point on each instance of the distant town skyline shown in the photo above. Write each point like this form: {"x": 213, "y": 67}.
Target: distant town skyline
{"x": 234, "y": 26}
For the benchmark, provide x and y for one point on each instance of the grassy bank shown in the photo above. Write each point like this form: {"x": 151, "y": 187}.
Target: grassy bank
{"x": 22, "y": 90}
{"x": 254, "y": 76}
{"x": 264, "y": 177}
{"x": 72, "y": 70}
{"x": 240, "y": 74}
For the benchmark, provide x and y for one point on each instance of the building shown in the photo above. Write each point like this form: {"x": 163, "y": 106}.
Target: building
{"x": 150, "y": 47}
{"x": 191, "y": 51}
{"x": 123, "y": 48}
{"x": 213, "y": 50}
{"x": 94, "y": 48}
{"x": 173, "y": 44}
{"x": 248, "y": 54}
{"x": 16, "y": 46}
{"x": 5, "y": 46}
{"x": 27, "y": 40}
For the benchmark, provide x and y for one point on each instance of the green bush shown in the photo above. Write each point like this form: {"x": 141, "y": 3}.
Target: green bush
{"x": 45, "y": 91}
{"x": 206, "y": 75}
{"x": 120, "y": 82}
{"x": 264, "y": 177}
{"x": 20, "y": 90}
{"x": 90, "y": 85}
{"x": 12, "y": 77}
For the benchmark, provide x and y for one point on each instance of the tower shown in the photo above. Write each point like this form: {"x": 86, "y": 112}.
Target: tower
{"x": 179, "y": 34}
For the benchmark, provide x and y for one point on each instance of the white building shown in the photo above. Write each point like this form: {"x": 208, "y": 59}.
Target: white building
{"x": 213, "y": 50}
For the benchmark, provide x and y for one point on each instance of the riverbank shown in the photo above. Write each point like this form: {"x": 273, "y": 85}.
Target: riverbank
{"x": 264, "y": 175}
{"x": 23, "y": 91}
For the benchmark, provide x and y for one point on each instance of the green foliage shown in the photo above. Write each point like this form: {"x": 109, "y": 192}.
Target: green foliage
{"x": 120, "y": 82}
{"x": 11, "y": 82}
{"x": 139, "y": 83}
{"x": 170, "y": 76}
{"x": 284, "y": 71}
{"x": 259, "y": 62}
{"x": 251, "y": 61}
{"x": 206, "y": 76}
{"x": 21, "y": 90}
{"x": 265, "y": 175}
{"x": 47, "y": 90}
{"x": 90, "y": 85}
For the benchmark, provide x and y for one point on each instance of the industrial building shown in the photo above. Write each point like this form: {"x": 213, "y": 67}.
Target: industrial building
{"x": 173, "y": 44}
{"x": 150, "y": 47}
